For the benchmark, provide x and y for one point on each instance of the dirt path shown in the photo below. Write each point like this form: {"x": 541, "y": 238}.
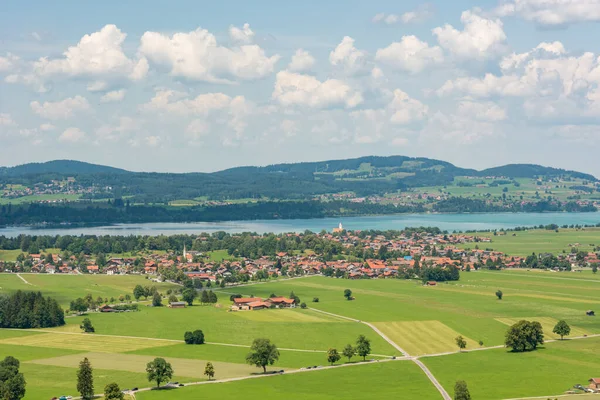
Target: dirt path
{"x": 24, "y": 280}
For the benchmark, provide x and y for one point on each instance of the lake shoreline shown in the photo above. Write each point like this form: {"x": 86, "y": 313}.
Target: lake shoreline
{"x": 445, "y": 221}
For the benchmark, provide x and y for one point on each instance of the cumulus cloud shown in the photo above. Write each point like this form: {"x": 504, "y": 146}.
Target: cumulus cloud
{"x": 97, "y": 86}
{"x": 305, "y": 90}
{"x": 481, "y": 38}
{"x": 47, "y": 127}
{"x": 63, "y": 109}
{"x": 552, "y": 12}
{"x": 72, "y": 135}
{"x": 124, "y": 127}
{"x": 410, "y": 54}
{"x": 482, "y": 111}
{"x": 97, "y": 54}
{"x": 113, "y": 96}
{"x": 241, "y": 35}
{"x": 196, "y": 130}
{"x": 405, "y": 110}
{"x": 6, "y": 120}
{"x": 348, "y": 57}
{"x": 204, "y": 104}
{"x": 9, "y": 62}
{"x": 301, "y": 61}
{"x": 197, "y": 55}
{"x": 421, "y": 14}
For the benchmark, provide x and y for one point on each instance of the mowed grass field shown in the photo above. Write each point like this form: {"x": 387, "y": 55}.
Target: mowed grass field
{"x": 540, "y": 241}
{"x": 66, "y": 288}
{"x": 424, "y": 321}
{"x": 391, "y": 380}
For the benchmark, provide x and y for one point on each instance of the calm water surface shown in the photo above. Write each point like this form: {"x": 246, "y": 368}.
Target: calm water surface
{"x": 449, "y": 222}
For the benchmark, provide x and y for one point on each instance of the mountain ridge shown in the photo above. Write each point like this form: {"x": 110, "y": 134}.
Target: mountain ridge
{"x": 514, "y": 170}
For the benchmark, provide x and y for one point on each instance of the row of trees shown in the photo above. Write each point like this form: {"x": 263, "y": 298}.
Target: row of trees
{"x": 30, "y": 310}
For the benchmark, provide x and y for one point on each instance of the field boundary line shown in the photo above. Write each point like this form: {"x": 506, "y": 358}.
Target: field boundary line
{"x": 293, "y": 371}
{"x": 165, "y": 340}
{"x": 416, "y": 360}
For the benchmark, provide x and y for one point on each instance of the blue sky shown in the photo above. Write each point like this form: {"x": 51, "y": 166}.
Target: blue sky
{"x": 197, "y": 86}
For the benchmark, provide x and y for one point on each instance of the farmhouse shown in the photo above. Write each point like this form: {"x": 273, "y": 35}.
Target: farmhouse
{"x": 594, "y": 383}
{"x": 258, "y": 305}
{"x": 106, "y": 308}
{"x": 177, "y": 304}
{"x": 282, "y": 302}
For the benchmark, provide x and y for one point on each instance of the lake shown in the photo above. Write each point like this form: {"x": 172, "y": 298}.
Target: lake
{"x": 449, "y": 222}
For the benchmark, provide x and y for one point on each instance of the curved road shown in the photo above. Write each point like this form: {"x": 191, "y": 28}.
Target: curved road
{"x": 416, "y": 360}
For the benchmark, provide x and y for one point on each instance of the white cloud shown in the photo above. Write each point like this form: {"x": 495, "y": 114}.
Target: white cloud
{"x": 481, "y": 38}
{"x": 242, "y": 35}
{"x": 6, "y": 120}
{"x": 72, "y": 135}
{"x": 552, "y": 12}
{"x": 305, "y": 90}
{"x": 31, "y": 80}
{"x": 63, "y": 109}
{"x": 36, "y": 36}
{"x": 9, "y": 62}
{"x": 301, "y": 61}
{"x": 348, "y": 57}
{"x": 490, "y": 85}
{"x": 123, "y": 128}
{"x": 113, "y": 96}
{"x": 196, "y": 55}
{"x": 152, "y": 141}
{"x": 289, "y": 128}
{"x": 410, "y": 54}
{"x": 97, "y": 86}
{"x": 204, "y": 104}
{"x": 482, "y": 111}
{"x": 97, "y": 54}
{"x": 422, "y": 13}
{"x": 196, "y": 130}
{"x": 405, "y": 110}
{"x": 47, "y": 127}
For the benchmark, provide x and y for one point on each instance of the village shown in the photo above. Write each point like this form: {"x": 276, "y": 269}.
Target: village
{"x": 400, "y": 256}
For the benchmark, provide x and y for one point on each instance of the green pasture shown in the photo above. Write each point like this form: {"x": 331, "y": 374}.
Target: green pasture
{"x": 219, "y": 255}
{"x": 66, "y": 288}
{"x": 40, "y": 198}
{"x": 306, "y": 331}
{"x": 500, "y": 374}
{"x": 524, "y": 243}
{"x": 422, "y": 320}
{"x": 426, "y": 320}
{"x": 392, "y": 380}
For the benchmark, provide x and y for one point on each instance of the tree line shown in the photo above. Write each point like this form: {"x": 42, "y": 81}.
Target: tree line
{"x": 25, "y": 310}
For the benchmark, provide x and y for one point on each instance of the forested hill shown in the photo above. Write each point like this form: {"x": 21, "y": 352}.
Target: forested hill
{"x": 58, "y": 167}
{"x": 295, "y": 181}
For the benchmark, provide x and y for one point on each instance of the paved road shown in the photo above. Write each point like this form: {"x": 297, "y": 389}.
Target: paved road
{"x": 416, "y": 360}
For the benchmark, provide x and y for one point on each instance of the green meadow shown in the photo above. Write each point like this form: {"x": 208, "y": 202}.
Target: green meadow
{"x": 424, "y": 321}
{"x": 65, "y": 288}
{"x": 523, "y": 243}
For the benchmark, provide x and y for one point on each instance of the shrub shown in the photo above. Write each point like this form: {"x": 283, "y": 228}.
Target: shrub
{"x": 195, "y": 337}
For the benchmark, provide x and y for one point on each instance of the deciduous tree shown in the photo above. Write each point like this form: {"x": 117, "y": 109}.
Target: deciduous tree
{"x": 86, "y": 326}
{"x": 363, "y": 346}
{"x": 524, "y": 336}
{"x": 112, "y": 391}
{"x": 349, "y": 352}
{"x": 262, "y": 353}
{"x": 461, "y": 391}
{"x": 159, "y": 371}
{"x": 209, "y": 370}
{"x": 12, "y": 382}
{"x": 562, "y": 328}
{"x": 460, "y": 342}
{"x": 333, "y": 356}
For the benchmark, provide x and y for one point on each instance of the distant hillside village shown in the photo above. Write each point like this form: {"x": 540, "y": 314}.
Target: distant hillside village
{"x": 424, "y": 253}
